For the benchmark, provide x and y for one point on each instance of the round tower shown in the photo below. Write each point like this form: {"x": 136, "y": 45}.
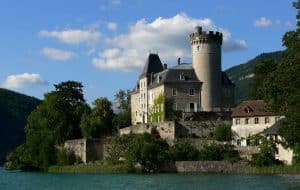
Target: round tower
{"x": 206, "y": 53}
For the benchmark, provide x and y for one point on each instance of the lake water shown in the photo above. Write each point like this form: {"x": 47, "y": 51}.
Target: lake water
{"x": 45, "y": 181}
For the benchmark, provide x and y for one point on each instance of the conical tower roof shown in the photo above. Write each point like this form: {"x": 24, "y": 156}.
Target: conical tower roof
{"x": 153, "y": 65}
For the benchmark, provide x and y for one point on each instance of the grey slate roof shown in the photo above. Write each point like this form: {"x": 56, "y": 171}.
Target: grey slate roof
{"x": 273, "y": 130}
{"x": 179, "y": 73}
{"x": 153, "y": 65}
{"x": 183, "y": 73}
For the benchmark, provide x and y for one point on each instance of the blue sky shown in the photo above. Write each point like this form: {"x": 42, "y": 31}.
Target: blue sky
{"x": 105, "y": 43}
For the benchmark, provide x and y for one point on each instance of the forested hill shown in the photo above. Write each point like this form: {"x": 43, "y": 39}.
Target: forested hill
{"x": 14, "y": 109}
{"x": 242, "y": 75}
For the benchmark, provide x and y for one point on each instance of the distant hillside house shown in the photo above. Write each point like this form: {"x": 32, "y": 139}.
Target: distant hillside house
{"x": 200, "y": 86}
{"x": 249, "y": 118}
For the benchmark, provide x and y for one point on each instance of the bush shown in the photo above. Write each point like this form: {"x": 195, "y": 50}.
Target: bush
{"x": 223, "y": 133}
{"x": 150, "y": 152}
{"x": 219, "y": 152}
{"x": 64, "y": 157}
{"x": 183, "y": 151}
{"x": 266, "y": 155}
{"x": 296, "y": 158}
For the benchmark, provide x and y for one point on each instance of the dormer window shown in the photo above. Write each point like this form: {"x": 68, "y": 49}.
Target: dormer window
{"x": 248, "y": 109}
{"x": 158, "y": 78}
{"x": 181, "y": 76}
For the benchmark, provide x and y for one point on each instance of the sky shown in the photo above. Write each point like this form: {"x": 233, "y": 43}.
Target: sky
{"x": 104, "y": 43}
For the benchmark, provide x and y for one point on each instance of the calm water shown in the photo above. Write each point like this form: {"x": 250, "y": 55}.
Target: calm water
{"x": 41, "y": 181}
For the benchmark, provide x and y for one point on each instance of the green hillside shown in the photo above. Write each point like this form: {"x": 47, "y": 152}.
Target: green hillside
{"x": 242, "y": 75}
{"x": 14, "y": 109}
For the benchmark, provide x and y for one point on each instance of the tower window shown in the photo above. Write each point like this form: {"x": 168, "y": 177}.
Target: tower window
{"x": 198, "y": 48}
{"x": 192, "y": 91}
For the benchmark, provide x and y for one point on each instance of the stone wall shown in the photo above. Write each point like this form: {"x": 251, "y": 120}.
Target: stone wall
{"x": 166, "y": 130}
{"x": 200, "y": 143}
{"x": 78, "y": 147}
{"x": 199, "y": 128}
{"x": 207, "y": 166}
{"x": 170, "y": 130}
{"x": 87, "y": 149}
{"x": 247, "y": 151}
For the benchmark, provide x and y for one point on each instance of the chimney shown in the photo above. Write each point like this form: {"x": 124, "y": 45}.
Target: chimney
{"x": 178, "y": 61}
{"x": 165, "y": 66}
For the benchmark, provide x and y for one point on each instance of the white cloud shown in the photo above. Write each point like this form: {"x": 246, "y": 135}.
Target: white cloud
{"x": 112, "y": 26}
{"x": 167, "y": 36}
{"x": 262, "y": 22}
{"x": 57, "y": 54}
{"x": 23, "y": 80}
{"x": 73, "y": 36}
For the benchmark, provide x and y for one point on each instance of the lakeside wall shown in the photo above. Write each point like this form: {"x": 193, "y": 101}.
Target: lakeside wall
{"x": 208, "y": 166}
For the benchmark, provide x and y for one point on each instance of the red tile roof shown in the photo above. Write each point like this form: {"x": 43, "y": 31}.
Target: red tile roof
{"x": 251, "y": 108}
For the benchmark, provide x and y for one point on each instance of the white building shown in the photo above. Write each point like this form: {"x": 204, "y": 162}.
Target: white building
{"x": 252, "y": 117}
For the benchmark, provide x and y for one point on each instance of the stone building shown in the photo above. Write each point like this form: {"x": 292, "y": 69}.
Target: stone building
{"x": 200, "y": 86}
{"x": 249, "y": 118}
{"x": 252, "y": 117}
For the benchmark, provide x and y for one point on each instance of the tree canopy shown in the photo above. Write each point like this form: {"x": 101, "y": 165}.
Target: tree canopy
{"x": 278, "y": 83}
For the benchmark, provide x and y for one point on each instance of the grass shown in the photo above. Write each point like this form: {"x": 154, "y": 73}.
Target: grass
{"x": 91, "y": 168}
{"x": 270, "y": 170}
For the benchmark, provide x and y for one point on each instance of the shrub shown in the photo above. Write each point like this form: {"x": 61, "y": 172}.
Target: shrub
{"x": 150, "y": 152}
{"x": 266, "y": 155}
{"x": 183, "y": 151}
{"x": 219, "y": 152}
{"x": 223, "y": 133}
{"x": 64, "y": 157}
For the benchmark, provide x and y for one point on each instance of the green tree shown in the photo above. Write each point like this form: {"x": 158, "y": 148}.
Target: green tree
{"x": 150, "y": 152}
{"x": 280, "y": 86}
{"x": 98, "y": 121}
{"x": 54, "y": 121}
{"x": 266, "y": 155}
{"x": 219, "y": 152}
{"x": 183, "y": 151}
{"x": 223, "y": 133}
{"x": 123, "y": 117}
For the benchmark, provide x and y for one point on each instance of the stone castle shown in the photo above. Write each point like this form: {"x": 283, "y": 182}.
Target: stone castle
{"x": 200, "y": 86}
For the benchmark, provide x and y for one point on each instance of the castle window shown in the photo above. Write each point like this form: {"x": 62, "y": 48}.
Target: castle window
{"x": 181, "y": 76}
{"x": 174, "y": 91}
{"x": 267, "y": 120}
{"x": 198, "y": 48}
{"x": 192, "y": 91}
{"x": 237, "y": 121}
{"x": 256, "y": 120}
{"x": 247, "y": 121}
